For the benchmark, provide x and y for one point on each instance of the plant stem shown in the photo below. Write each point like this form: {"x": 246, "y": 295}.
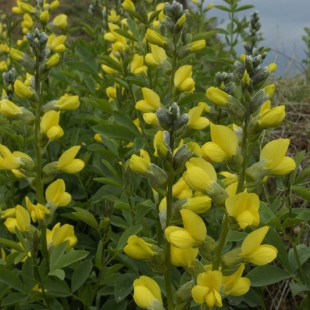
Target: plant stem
{"x": 221, "y": 243}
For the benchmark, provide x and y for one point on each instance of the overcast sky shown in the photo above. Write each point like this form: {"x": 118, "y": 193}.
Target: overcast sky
{"x": 282, "y": 27}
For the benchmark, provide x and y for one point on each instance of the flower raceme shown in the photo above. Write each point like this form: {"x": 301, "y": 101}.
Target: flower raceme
{"x": 137, "y": 248}
{"x": 207, "y": 290}
{"x": 193, "y": 233}
{"x": 244, "y": 208}
{"x": 147, "y": 294}
{"x": 273, "y": 154}
{"x": 150, "y": 103}
{"x": 254, "y": 252}
{"x": 223, "y": 146}
{"x": 183, "y": 79}
{"x": 68, "y": 163}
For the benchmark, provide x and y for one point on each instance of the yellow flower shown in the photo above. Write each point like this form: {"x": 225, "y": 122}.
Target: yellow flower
{"x": 38, "y": 211}
{"x": 274, "y": 155}
{"x": 136, "y": 66}
{"x": 271, "y": 118}
{"x": 98, "y": 138}
{"x": 269, "y": 90}
{"x": 68, "y": 163}
{"x": 56, "y": 43}
{"x": 21, "y": 220}
{"x": 229, "y": 178}
{"x": 3, "y": 64}
{"x": 183, "y": 257}
{"x": 49, "y": 125}
{"x": 44, "y": 17}
{"x": 56, "y": 194}
{"x": 23, "y": 91}
{"x": 199, "y": 174}
{"x": 197, "y": 45}
{"x": 150, "y": 103}
{"x": 160, "y": 147}
{"x": 140, "y": 164}
{"x": 181, "y": 190}
{"x": 9, "y": 109}
{"x": 195, "y": 120}
{"x": 67, "y": 103}
{"x": 26, "y": 8}
{"x": 208, "y": 288}
{"x": 217, "y": 96}
{"x": 235, "y": 284}
{"x": 137, "y": 248}
{"x": 223, "y": 146}
{"x": 244, "y": 208}
{"x": 199, "y": 204}
{"x": 27, "y": 23}
{"x": 128, "y": 4}
{"x": 52, "y": 61}
{"x": 14, "y": 160}
{"x": 60, "y": 21}
{"x": 183, "y": 79}
{"x": 252, "y": 251}
{"x": 155, "y": 38}
{"x": 272, "y": 67}
{"x": 157, "y": 56}
{"x": 151, "y": 118}
{"x": 58, "y": 235}
{"x": 193, "y": 233}
{"x": 113, "y": 17}
{"x": 147, "y": 293}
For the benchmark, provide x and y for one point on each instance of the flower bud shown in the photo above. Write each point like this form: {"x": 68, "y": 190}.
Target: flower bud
{"x": 44, "y": 17}
{"x": 181, "y": 157}
{"x": 52, "y": 61}
{"x": 197, "y": 45}
{"x": 158, "y": 178}
{"x": 164, "y": 118}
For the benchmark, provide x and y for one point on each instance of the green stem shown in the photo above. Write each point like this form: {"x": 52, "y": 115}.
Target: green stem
{"x": 38, "y": 154}
{"x": 221, "y": 243}
{"x": 36, "y": 270}
{"x": 167, "y": 273}
{"x": 43, "y": 242}
{"x": 244, "y": 152}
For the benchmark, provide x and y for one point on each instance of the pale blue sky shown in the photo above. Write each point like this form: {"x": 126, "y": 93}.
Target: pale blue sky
{"x": 282, "y": 27}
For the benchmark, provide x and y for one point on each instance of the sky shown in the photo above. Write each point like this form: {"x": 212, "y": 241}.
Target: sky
{"x": 282, "y": 27}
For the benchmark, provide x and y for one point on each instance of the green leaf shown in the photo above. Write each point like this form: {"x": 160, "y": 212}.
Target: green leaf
{"x": 204, "y": 35}
{"x": 136, "y": 15}
{"x": 234, "y": 236}
{"x": 110, "y": 62}
{"x": 302, "y": 192}
{"x": 59, "y": 273}
{"x": 126, "y": 234}
{"x": 244, "y": 7}
{"x": 115, "y": 131}
{"x": 11, "y": 244}
{"x": 85, "y": 216}
{"x": 80, "y": 274}
{"x": 56, "y": 287}
{"x": 125, "y": 34}
{"x": 87, "y": 56}
{"x": 223, "y": 8}
{"x": 56, "y": 254}
{"x": 123, "y": 286}
{"x": 303, "y": 253}
{"x": 266, "y": 275}
{"x": 297, "y": 288}
{"x": 191, "y": 98}
{"x": 125, "y": 120}
{"x": 133, "y": 27}
{"x": 302, "y": 176}
{"x": 14, "y": 299}
{"x": 81, "y": 66}
{"x": 13, "y": 281}
{"x": 109, "y": 181}
{"x": 71, "y": 257}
